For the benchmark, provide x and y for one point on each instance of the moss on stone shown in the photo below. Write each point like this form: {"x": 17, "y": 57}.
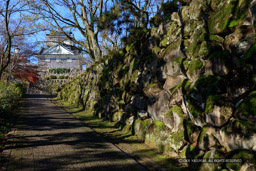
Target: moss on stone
{"x": 192, "y": 152}
{"x": 117, "y": 116}
{"x": 195, "y": 65}
{"x": 141, "y": 128}
{"x": 247, "y": 156}
{"x": 158, "y": 136}
{"x": 173, "y": 46}
{"x": 244, "y": 128}
{"x": 250, "y": 54}
{"x": 216, "y": 38}
{"x": 189, "y": 129}
{"x": 204, "y": 49}
{"x": 170, "y": 117}
{"x": 219, "y": 54}
{"x": 134, "y": 76}
{"x": 193, "y": 108}
{"x": 238, "y": 16}
{"x": 207, "y": 85}
{"x": 177, "y": 137}
{"x": 202, "y": 37}
{"x": 158, "y": 125}
{"x": 175, "y": 109}
{"x": 247, "y": 109}
{"x": 152, "y": 85}
{"x": 192, "y": 47}
{"x": 176, "y": 88}
{"x": 177, "y": 60}
{"x": 217, "y": 154}
{"x": 210, "y": 102}
{"x": 219, "y": 21}
{"x": 156, "y": 50}
{"x": 203, "y": 133}
{"x": 186, "y": 64}
{"x": 164, "y": 42}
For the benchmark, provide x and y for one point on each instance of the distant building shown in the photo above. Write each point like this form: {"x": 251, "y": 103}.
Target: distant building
{"x": 58, "y": 53}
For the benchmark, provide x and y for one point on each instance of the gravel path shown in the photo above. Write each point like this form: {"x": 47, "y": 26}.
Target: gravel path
{"x": 50, "y": 139}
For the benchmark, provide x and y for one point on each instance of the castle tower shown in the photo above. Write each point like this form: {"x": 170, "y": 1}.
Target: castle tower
{"x": 58, "y": 53}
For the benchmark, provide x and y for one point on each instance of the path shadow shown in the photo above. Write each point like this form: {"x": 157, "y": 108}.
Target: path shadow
{"x": 50, "y": 139}
{"x": 38, "y": 96}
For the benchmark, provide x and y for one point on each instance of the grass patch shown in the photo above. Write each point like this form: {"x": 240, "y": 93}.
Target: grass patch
{"x": 123, "y": 139}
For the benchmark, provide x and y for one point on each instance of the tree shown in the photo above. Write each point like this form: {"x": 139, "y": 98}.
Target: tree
{"x": 21, "y": 70}
{"x": 6, "y": 38}
{"x": 15, "y": 23}
{"x": 80, "y": 15}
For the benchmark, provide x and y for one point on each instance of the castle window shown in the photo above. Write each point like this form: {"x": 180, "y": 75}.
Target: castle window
{"x": 69, "y": 60}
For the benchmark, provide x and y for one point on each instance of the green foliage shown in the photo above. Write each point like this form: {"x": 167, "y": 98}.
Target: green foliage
{"x": 164, "y": 13}
{"x": 61, "y": 77}
{"x": 248, "y": 107}
{"x": 135, "y": 35}
{"x": 10, "y": 96}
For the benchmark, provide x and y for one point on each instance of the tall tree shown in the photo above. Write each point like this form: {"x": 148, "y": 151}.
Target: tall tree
{"x": 81, "y": 15}
{"x": 15, "y": 22}
{"x": 6, "y": 38}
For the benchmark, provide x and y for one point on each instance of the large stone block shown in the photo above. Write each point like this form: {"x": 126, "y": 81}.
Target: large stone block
{"x": 158, "y": 109}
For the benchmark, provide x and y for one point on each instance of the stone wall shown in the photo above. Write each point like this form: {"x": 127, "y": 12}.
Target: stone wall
{"x": 186, "y": 88}
{"x": 51, "y": 87}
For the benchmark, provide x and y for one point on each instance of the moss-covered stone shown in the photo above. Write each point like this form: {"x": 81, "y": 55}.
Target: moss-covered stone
{"x": 208, "y": 85}
{"x": 206, "y": 139}
{"x": 240, "y": 127}
{"x": 141, "y": 128}
{"x": 164, "y": 42}
{"x": 173, "y": 50}
{"x": 218, "y": 110}
{"x": 243, "y": 156}
{"x": 217, "y": 39}
{"x": 173, "y": 119}
{"x": 191, "y": 26}
{"x": 194, "y": 69}
{"x": 211, "y": 156}
{"x": 159, "y": 136}
{"x": 219, "y": 21}
{"x": 218, "y": 63}
{"x": 192, "y": 152}
{"x": 204, "y": 50}
{"x": 152, "y": 90}
{"x": 195, "y": 112}
{"x": 247, "y": 109}
{"x": 249, "y": 56}
{"x": 117, "y": 116}
{"x": 191, "y": 131}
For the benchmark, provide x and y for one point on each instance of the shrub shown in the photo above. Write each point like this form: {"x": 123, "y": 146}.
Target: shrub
{"x": 60, "y": 70}
{"x": 10, "y": 96}
{"x": 61, "y": 77}
{"x": 53, "y": 77}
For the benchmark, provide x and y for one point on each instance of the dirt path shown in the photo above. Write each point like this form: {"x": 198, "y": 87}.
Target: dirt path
{"x": 50, "y": 139}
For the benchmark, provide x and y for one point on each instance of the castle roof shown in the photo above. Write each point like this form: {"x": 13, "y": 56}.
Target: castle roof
{"x": 59, "y": 49}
